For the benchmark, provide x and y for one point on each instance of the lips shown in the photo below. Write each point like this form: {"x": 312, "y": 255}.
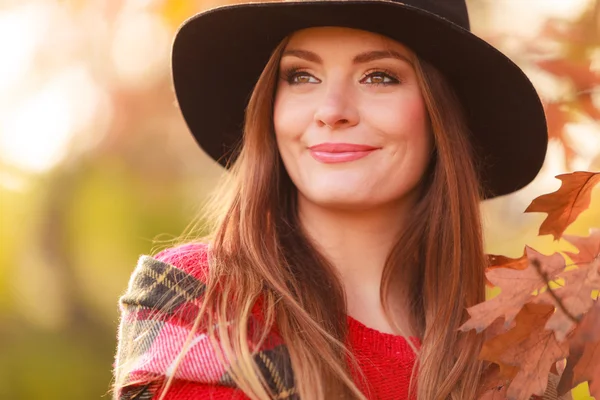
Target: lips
{"x": 341, "y": 147}
{"x": 330, "y": 153}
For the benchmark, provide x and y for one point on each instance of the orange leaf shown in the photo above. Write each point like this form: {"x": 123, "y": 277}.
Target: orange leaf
{"x": 499, "y": 261}
{"x": 576, "y": 298}
{"x": 492, "y": 385}
{"x": 495, "y": 394}
{"x": 576, "y": 295}
{"x": 565, "y": 205}
{"x": 557, "y": 116}
{"x": 583, "y": 363}
{"x": 588, "y": 106}
{"x": 516, "y": 289}
{"x": 556, "y": 119}
{"x": 589, "y": 247}
{"x": 580, "y": 72}
{"x": 530, "y": 347}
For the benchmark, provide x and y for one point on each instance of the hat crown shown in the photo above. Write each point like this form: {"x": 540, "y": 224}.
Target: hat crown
{"x": 452, "y": 10}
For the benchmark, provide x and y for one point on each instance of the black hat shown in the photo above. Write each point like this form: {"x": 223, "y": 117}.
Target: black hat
{"x": 219, "y": 54}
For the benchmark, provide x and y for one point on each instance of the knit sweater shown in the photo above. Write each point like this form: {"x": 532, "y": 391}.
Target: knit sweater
{"x": 157, "y": 313}
{"x": 386, "y": 361}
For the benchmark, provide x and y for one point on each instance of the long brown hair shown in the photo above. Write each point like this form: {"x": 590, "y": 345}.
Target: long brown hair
{"x": 258, "y": 250}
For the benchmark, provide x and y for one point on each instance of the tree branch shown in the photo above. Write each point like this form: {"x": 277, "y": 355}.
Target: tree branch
{"x": 559, "y": 303}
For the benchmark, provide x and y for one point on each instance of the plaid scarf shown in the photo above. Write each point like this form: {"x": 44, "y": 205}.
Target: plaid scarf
{"x": 157, "y": 314}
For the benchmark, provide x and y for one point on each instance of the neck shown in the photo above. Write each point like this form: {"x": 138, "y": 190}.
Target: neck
{"x": 357, "y": 243}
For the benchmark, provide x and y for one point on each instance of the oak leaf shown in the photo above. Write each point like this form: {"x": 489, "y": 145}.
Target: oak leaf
{"x": 580, "y": 72}
{"x": 576, "y": 295}
{"x": 583, "y": 363}
{"x": 588, "y": 246}
{"x": 500, "y": 261}
{"x": 565, "y": 205}
{"x": 498, "y": 373}
{"x": 530, "y": 347}
{"x": 517, "y": 287}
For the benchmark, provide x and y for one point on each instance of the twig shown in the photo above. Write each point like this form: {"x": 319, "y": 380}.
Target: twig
{"x": 559, "y": 303}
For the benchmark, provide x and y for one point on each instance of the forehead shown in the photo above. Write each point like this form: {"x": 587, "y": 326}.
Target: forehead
{"x": 344, "y": 38}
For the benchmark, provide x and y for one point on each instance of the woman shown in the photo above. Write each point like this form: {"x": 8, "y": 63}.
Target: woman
{"x": 346, "y": 242}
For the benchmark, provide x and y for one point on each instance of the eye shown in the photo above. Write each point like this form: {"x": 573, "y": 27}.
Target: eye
{"x": 380, "y": 78}
{"x": 296, "y": 77}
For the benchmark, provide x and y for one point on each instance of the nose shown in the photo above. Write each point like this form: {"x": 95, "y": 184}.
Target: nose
{"x": 337, "y": 108}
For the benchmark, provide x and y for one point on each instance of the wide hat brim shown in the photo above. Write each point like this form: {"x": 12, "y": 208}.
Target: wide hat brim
{"x": 218, "y": 55}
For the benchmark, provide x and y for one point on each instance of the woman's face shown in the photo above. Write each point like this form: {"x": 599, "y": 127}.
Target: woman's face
{"x": 350, "y": 120}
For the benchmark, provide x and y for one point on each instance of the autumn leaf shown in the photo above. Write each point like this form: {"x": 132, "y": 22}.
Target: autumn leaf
{"x": 500, "y": 261}
{"x": 580, "y": 72}
{"x": 555, "y": 29}
{"x": 576, "y": 295}
{"x": 495, "y": 393}
{"x": 498, "y": 373}
{"x": 556, "y": 118}
{"x": 517, "y": 287}
{"x": 530, "y": 347}
{"x": 492, "y": 385}
{"x": 588, "y": 246}
{"x": 575, "y": 300}
{"x": 565, "y": 205}
{"x": 583, "y": 363}
{"x": 587, "y": 104}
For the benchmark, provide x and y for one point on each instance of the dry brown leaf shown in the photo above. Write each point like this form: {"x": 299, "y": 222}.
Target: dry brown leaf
{"x": 500, "y": 261}
{"x": 574, "y": 298}
{"x": 492, "y": 385}
{"x": 583, "y": 363}
{"x": 556, "y": 118}
{"x": 516, "y": 287}
{"x": 576, "y": 295}
{"x": 565, "y": 205}
{"x": 588, "y": 246}
{"x": 580, "y": 72}
{"x": 531, "y": 348}
{"x": 494, "y": 394}
{"x": 498, "y": 374}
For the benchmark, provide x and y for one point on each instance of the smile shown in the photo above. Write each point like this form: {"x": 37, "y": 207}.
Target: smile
{"x": 329, "y": 153}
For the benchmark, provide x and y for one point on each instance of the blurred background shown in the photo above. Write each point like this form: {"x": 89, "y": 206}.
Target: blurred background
{"x": 97, "y": 167}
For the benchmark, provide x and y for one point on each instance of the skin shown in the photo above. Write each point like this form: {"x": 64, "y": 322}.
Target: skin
{"x": 354, "y": 210}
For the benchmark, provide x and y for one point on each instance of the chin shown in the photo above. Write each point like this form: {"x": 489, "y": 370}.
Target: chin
{"x": 343, "y": 200}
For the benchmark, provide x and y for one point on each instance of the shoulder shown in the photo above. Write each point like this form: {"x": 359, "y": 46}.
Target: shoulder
{"x": 171, "y": 280}
{"x": 158, "y": 312}
{"x": 191, "y": 258}
{"x": 158, "y": 323}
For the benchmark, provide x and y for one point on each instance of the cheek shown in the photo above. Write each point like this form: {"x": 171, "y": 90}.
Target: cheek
{"x": 291, "y": 113}
{"x": 288, "y": 123}
{"x": 404, "y": 116}
{"x": 291, "y": 118}
{"x": 283, "y": 123}
{"x": 409, "y": 138}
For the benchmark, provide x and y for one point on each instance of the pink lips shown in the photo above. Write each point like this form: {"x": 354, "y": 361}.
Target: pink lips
{"x": 330, "y": 153}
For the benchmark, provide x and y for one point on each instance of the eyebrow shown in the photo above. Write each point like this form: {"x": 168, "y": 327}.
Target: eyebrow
{"x": 361, "y": 58}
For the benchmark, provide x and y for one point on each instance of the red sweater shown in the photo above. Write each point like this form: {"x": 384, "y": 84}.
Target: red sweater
{"x": 386, "y": 360}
